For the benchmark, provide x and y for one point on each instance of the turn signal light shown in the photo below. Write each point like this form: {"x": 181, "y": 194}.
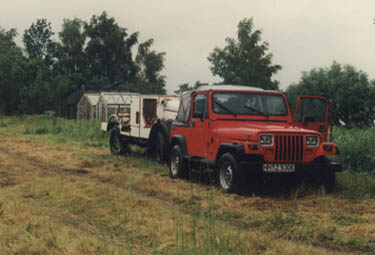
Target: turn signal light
{"x": 328, "y": 148}
{"x": 309, "y": 152}
{"x": 269, "y": 151}
{"x": 254, "y": 147}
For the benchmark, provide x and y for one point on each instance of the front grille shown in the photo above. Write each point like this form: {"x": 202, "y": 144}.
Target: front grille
{"x": 288, "y": 148}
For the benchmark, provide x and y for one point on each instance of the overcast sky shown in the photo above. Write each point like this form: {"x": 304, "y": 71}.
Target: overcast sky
{"x": 302, "y": 34}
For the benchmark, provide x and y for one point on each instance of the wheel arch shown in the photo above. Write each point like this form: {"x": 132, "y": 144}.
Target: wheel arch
{"x": 235, "y": 149}
{"x": 113, "y": 120}
{"x": 159, "y": 126}
{"x": 181, "y": 141}
{"x": 162, "y": 126}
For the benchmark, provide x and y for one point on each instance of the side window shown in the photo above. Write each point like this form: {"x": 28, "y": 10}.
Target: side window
{"x": 311, "y": 109}
{"x": 183, "y": 113}
{"x": 200, "y": 106}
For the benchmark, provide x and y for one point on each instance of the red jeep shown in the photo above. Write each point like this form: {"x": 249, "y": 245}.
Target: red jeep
{"x": 238, "y": 129}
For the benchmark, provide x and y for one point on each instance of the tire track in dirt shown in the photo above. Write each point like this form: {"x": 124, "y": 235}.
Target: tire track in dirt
{"x": 82, "y": 172}
{"x": 68, "y": 218}
{"x": 74, "y": 220}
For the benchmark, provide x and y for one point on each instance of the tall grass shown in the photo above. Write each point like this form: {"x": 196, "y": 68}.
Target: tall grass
{"x": 87, "y": 131}
{"x": 357, "y": 150}
{"x": 206, "y": 235}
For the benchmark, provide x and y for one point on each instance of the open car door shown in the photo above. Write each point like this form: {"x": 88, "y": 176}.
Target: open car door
{"x": 312, "y": 113}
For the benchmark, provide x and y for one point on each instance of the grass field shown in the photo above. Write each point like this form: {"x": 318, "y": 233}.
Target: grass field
{"x": 61, "y": 192}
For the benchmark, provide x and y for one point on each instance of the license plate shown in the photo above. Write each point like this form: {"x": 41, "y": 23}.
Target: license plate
{"x": 278, "y": 168}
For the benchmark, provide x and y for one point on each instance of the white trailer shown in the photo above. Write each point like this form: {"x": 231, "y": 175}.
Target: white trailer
{"x": 145, "y": 121}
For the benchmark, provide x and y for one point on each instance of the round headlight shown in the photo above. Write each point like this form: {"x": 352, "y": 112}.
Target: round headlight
{"x": 312, "y": 140}
{"x": 266, "y": 139}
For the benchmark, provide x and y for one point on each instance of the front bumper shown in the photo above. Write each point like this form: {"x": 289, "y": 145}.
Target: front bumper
{"x": 300, "y": 168}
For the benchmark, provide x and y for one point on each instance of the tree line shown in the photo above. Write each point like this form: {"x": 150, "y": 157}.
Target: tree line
{"x": 93, "y": 56}
{"x": 97, "y": 55}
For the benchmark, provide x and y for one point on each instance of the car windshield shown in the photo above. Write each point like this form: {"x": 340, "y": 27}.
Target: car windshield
{"x": 239, "y": 103}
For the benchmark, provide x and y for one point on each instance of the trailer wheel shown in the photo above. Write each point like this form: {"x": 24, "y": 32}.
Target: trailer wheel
{"x": 176, "y": 166}
{"x": 160, "y": 150}
{"x": 116, "y": 143}
{"x": 227, "y": 173}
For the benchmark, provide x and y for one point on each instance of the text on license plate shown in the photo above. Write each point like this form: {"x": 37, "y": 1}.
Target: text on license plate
{"x": 278, "y": 168}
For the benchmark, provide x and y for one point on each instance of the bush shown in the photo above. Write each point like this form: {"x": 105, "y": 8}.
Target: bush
{"x": 357, "y": 150}
{"x": 355, "y": 185}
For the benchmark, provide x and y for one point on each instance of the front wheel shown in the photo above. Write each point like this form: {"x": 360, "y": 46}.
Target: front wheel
{"x": 227, "y": 173}
{"x": 116, "y": 143}
{"x": 176, "y": 166}
{"x": 329, "y": 181}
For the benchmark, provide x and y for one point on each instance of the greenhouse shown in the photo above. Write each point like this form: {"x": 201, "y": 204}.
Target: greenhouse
{"x": 113, "y": 102}
{"x": 87, "y": 106}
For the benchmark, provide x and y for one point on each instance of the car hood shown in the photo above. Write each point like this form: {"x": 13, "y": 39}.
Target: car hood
{"x": 242, "y": 130}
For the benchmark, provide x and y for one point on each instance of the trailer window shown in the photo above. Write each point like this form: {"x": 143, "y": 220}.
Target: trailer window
{"x": 125, "y": 109}
{"x": 149, "y": 110}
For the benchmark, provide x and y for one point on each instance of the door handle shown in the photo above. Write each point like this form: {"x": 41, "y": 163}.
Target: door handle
{"x": 192, "y": 123}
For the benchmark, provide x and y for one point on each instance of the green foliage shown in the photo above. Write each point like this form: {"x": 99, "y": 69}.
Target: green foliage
{"x": 36, "y": 95}
{"x": 7, "y": 38}
{"x": 357, "y": 151}
{"x": 38, "y": 42}
{"x": 109, "y": 51}
{"x": 245, "y": 61}
{"x": 70, "y": 51}
{"x": 13, "y": 72}
{"x": 349, "y": 92}
{"x": 150, "y": 64}
{"x": 185, "y": 87}
{"x": 95, "y": 55}
{"x": 87, "y": 131}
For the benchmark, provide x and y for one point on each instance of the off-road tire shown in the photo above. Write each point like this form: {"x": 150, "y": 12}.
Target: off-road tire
{"x": 329, "y": 181}
{"x": 176, "y": 165}
{"x": 116, "y": 143}
{"x": 325, "y": 177}
{"x": 160, "y": 148}
{"x": 227, "y": 173}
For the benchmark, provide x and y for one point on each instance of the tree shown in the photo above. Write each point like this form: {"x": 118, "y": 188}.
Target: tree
{"x": 12, "y": 72}
{"x": 349, "y": 92}
{"x": 7, "y": 38}
{"x": 38, "y": 42}
{"x": 71, "y": 68}
{"x": 245, "y": 61}
{"x": 185, "y": 87}
{"x": 36, "y": 95}
{"x": 71, "y": 55}
{"x": 150, "y": 65}
{"x": 109, "y": 53}
{"x": 97, "y": 54}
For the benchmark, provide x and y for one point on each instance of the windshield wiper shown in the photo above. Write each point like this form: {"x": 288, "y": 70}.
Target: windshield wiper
{"x": 256, "y": 110}
{"x": 225, "y": 108}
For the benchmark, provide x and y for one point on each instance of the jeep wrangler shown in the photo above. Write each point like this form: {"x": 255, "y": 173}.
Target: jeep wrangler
{"x": 238, "y": 129}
